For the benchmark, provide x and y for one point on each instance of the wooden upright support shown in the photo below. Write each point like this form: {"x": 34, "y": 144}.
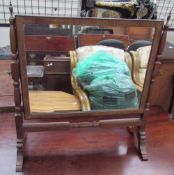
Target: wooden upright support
{"x": 17, "y": 94}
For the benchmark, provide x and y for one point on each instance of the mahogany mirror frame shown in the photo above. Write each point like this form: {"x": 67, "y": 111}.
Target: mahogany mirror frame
{"x": 27, "y": 122}
{"x": 22, "y": 20}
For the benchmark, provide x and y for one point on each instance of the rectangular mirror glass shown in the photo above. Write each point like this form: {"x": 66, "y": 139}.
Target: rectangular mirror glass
{"x": 72, "y": 67}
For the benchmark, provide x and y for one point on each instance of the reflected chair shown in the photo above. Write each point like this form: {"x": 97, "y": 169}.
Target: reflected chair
{"x": 140, "y": 59}
{"x": 83, "y": 52}
{"x": 137, "y": 61}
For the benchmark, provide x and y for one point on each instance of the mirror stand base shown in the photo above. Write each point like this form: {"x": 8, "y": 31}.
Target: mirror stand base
{"x": 141, "y": 145}
{"x": 140, "y": 141}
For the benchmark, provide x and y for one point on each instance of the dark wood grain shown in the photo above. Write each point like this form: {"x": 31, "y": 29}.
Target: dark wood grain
{"x": 89, "y": 21}
{"x": 151, "y": 65}
{"x": 86, "y": 151}
{"x": 57, "y": 65}
{"x": 51, "y": 43}
{"x": 15, "y": 71}
{"x": 93, "y": 39}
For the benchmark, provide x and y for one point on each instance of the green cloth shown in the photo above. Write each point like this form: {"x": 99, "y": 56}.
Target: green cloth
{"x": 115, "y": 91}
{"x": 107, "y": 81}
{"x": 98, "y": 64}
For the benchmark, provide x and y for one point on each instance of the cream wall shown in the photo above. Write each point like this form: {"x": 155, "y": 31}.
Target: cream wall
{"x": 61, "y": 5}
{"x": 4, "y": 36}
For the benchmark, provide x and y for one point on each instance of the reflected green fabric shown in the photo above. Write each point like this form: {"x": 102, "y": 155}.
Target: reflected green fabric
{"x": 107, "y": 81}
{"x": 115, "y": 91}
{"x": 98, "y": 64}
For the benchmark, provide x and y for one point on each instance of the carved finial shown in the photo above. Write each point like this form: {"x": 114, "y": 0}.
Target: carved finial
{"x": 11, "y": 9}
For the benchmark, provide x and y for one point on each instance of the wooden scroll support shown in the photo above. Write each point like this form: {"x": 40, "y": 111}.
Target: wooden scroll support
{"x": 141, "y": 135}
{"x": 17, "y": 94}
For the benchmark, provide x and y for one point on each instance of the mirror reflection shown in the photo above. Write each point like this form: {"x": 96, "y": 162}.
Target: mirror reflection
{"x": 82, "y": 68}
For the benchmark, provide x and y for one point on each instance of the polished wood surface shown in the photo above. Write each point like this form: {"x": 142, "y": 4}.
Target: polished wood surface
{"x": 57, "y": 73}
{"x": 51, "y": 43}
{"x": 93, "y": 39}
{"x": 52, "y": 101}
{"x": 57, "y": 65}
{"x": 15, "y": 72}
{"x": 139, "y": 33}
{"x": 89, "y": 151}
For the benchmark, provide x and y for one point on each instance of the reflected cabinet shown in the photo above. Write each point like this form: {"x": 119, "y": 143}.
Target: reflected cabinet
{"x": 78, "y": 72}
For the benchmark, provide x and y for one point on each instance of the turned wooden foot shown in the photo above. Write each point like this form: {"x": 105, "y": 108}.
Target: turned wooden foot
{"x": 19, "y": 161}
{"x": 141, "y": 145}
